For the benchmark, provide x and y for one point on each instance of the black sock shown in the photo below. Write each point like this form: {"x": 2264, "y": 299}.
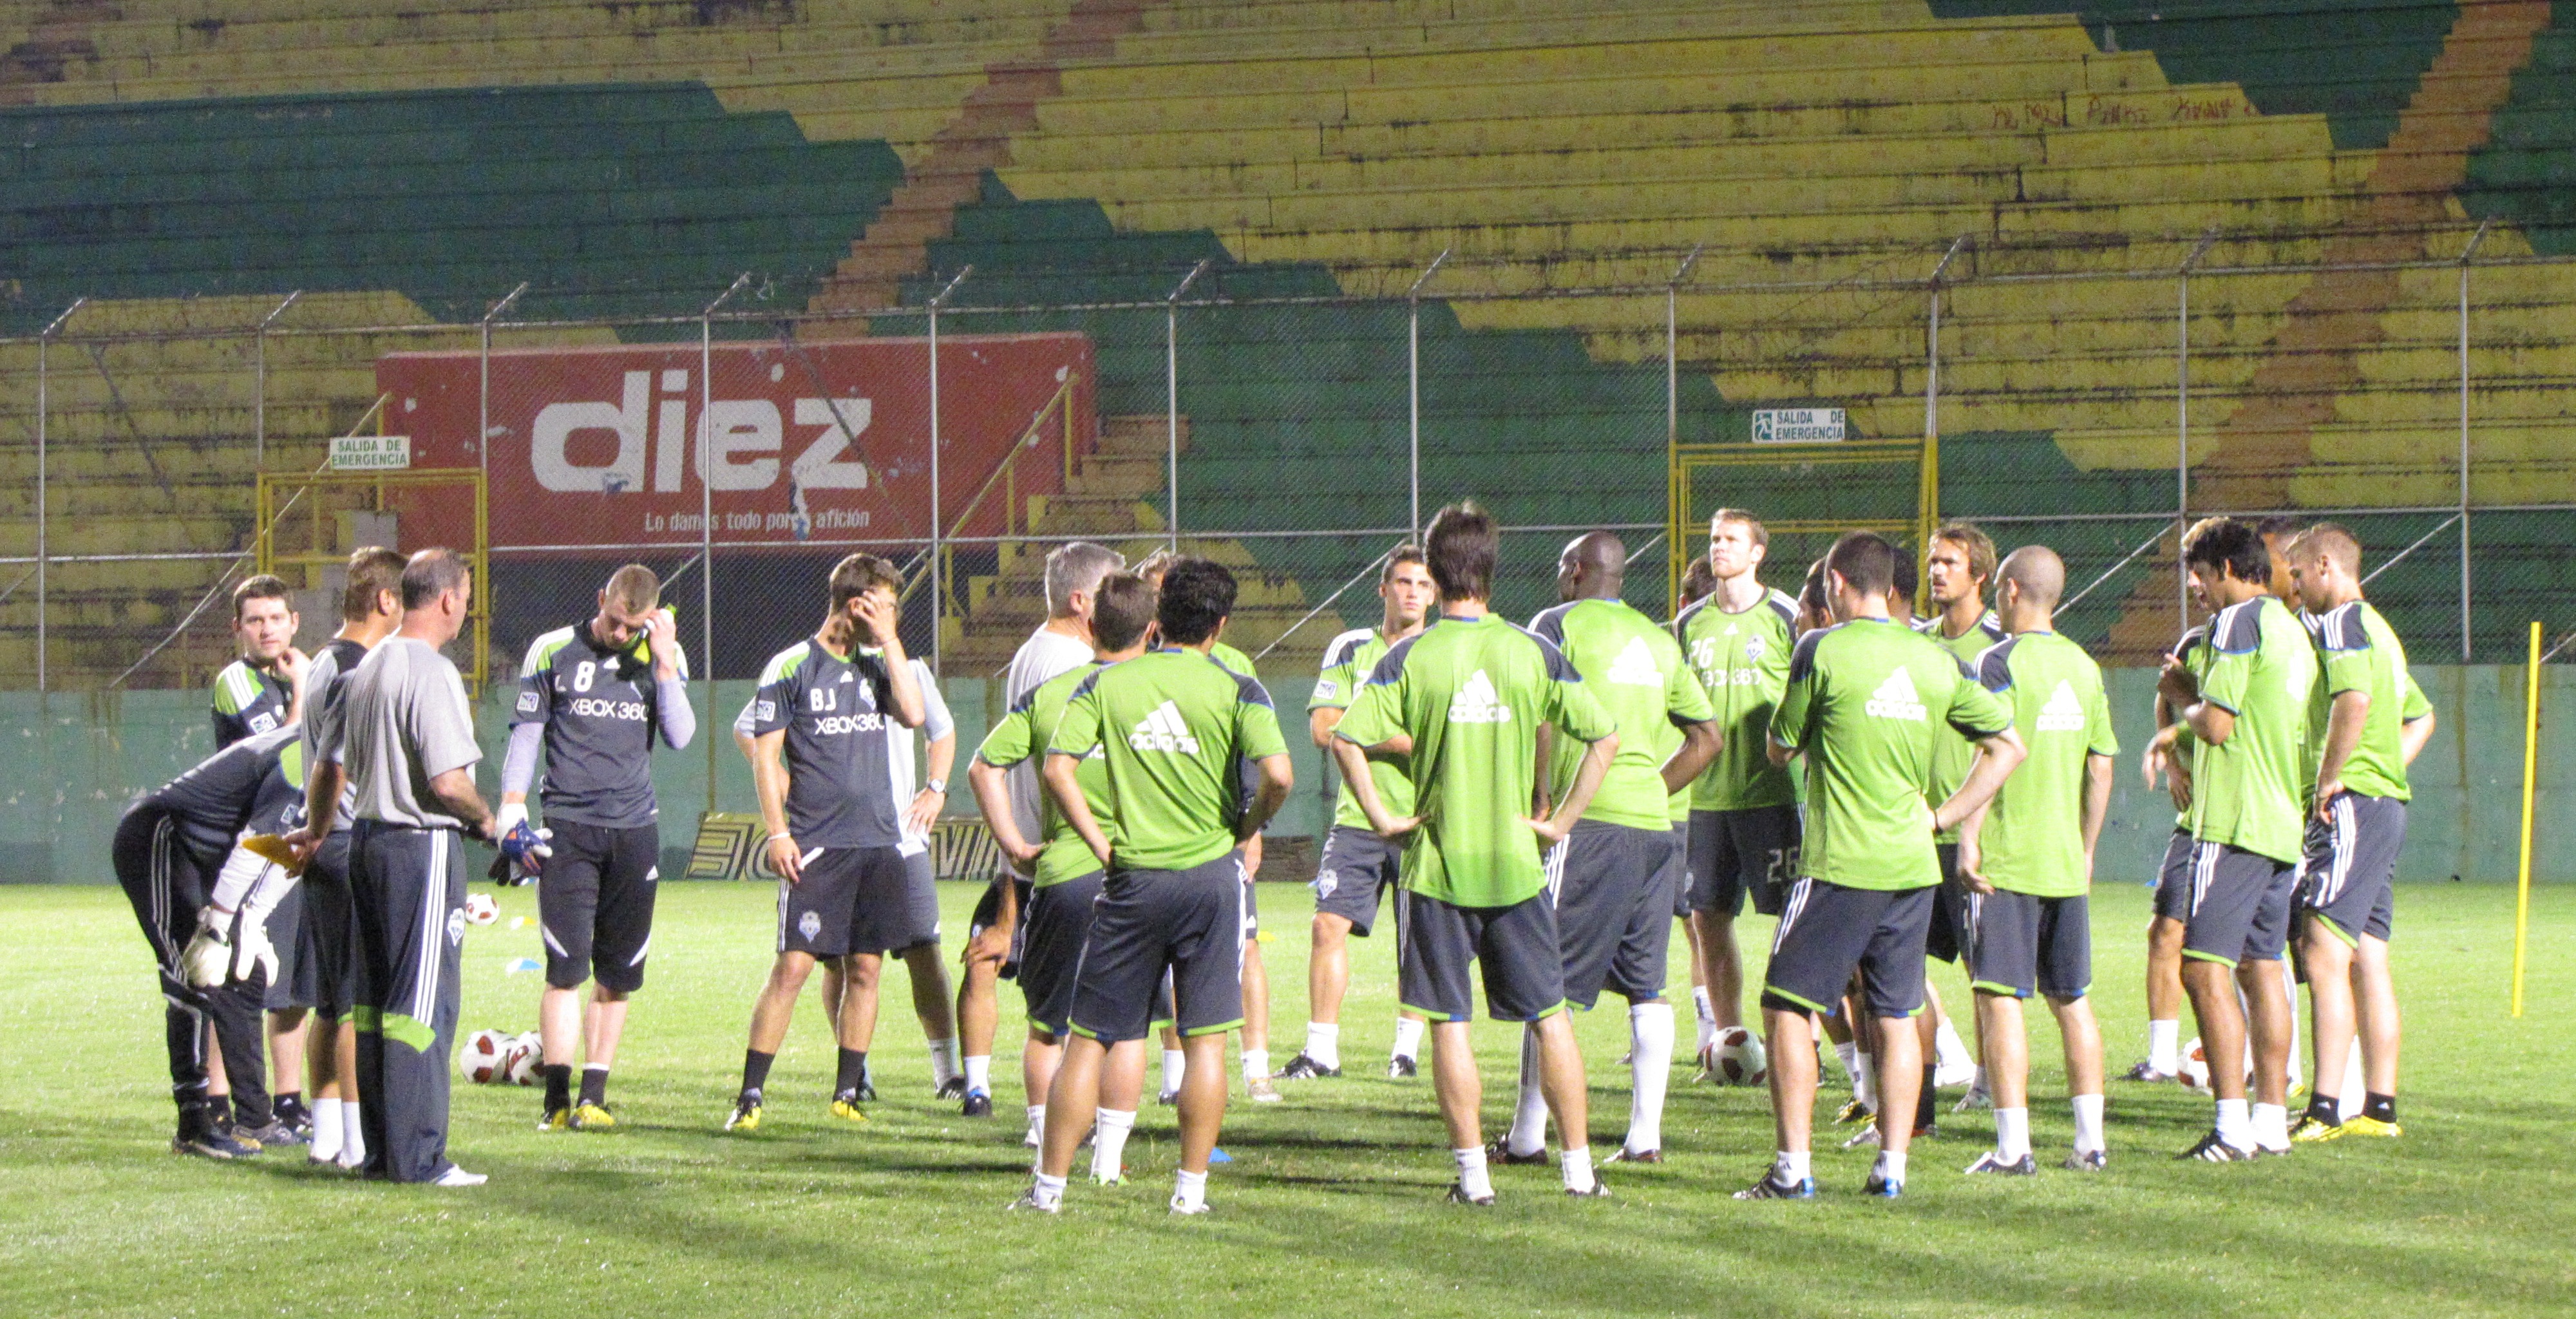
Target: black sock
{"x": 2325, "y": 1109}
{"x": 853, "y": 1072}
{"x": 289, "y": 1106}
{"x": 219, "y": 1110}
{"x": 2379, "y": 1107}
{"x": 1926, "y": 1102}
{"x": 558, "y": 1085}
{"x": 755, "y": 1071}
{"x": 594, "y": 1085}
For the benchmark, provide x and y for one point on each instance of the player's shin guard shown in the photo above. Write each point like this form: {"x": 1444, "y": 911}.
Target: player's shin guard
{"x": 1650, "y": 1068}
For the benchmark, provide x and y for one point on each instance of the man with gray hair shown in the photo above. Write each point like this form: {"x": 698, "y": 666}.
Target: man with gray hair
{"x": 404, "y": 742}
{"x": 1074, "y": 571}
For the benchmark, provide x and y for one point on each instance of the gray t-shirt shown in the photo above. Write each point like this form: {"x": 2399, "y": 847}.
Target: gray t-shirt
{"x": 326, "y": 689}
{"x": 403, "y": 720}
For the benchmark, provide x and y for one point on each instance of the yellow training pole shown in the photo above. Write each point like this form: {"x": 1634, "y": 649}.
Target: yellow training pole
{"x": 2530, "y": 776}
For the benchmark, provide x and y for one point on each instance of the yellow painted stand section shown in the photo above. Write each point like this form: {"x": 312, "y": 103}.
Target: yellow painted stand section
{"x": 2530, "y": 779}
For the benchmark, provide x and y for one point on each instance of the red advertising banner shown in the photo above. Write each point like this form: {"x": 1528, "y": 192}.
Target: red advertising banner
{"x": 801, "y": 443}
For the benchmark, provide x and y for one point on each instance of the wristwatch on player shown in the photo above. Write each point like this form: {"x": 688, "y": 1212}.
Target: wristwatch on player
{"x": 939, "y": 786}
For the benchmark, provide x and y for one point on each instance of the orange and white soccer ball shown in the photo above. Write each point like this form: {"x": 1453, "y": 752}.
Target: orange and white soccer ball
{"x": 520, "y": 1056}
{"x": 2195, "y": 1066}
{"x": 485, "y": 1058}
{"x": 480, "y": 909}
{"x": 1737, "y": 1058}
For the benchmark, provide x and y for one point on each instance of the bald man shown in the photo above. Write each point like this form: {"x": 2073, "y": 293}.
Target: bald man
{"x": 1614, "y": 877}
{"x": 2027, "y": 862}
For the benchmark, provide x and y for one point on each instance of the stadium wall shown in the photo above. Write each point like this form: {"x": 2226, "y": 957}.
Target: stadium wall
{"x": 80, "y": 759}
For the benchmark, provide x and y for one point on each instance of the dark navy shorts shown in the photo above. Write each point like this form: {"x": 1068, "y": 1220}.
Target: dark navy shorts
{"x": 1739, "y": 854}
{"x": 2021, "y": 943}
{"x": 1828, "y": 931}
{"x": 1357, "y": 870}
{"x": 1613, "y": 912}
{"x": 1147, "y": 922}
{"x": 2348, "y": 879}
{"x": 1515, "y": 948}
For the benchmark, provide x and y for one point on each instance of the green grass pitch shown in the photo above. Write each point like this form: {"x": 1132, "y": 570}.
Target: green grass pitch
{"x": 1331, "y": 1206}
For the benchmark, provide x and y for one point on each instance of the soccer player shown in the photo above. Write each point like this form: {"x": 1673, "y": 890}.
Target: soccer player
{"x": 1611, "y": 878}
{"x": 592, "y": 699}
{"x": 1053, "y": 924}
{"x": 1866, "y": 701}
{"x": 167, "y": 850}
{"x": 1358, "y": 867}
{"x": 370, "y": 610}
{"x": 1464, "y": 702}
{"x": 1958, "y": 566}
{"x": 2248, "y": 717}
{"x": 262, "y": 690}
{"x": 2028, "y": 862}
{"x": 827, "y": 799}
{"x": 2169, "y": 758}
{"x": 2373, "y": 722}
{"x": 1174, "y": 729}
{"x": 405, "y": 742}
{"x": 1743, "y": 809}
{"x": 1057, "y": 646}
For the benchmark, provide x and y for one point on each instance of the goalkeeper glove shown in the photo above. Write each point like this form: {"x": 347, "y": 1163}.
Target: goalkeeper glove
{"x": 208, "y": 959}
{"x": 253, "y": 952}
{"x": 526, "y": 849}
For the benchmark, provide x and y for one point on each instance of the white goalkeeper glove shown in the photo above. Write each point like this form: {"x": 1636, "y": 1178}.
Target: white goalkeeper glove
{"x": 253, "y": 952}
{"x": 209, "y": 956}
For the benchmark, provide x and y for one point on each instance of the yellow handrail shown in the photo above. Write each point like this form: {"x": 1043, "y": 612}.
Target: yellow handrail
{"x": 2530, "y": 780}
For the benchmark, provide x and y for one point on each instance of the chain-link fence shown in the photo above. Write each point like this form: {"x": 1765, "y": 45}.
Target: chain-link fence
{"x": 1294, "y": 422}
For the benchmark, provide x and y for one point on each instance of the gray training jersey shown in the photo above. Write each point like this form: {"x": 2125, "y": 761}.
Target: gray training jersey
{"x": 840, "y": 788}
{"x": 326, "y": 691}
{"x": 601, "y": 709}
{"x": 403, "y": 722}
{"x": 255, "y": 785}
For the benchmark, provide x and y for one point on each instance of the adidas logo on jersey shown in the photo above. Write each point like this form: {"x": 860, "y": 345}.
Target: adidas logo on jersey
{"x": 1477, "y": 703}
{"x": 1896, "y": 698}
{"x": 1635, "y": 666}
{"x": 2064, "y": 712}
{"x": 1164, "y": 730}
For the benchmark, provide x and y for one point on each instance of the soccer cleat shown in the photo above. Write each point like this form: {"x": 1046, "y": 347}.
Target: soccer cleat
{"x": 865, "y": 1092}
{"x": 745, "y": 1116}
{"x": 845, "y": 1106}
{"x": 1178, "y": 1208}
{"x": 1500, "y": 1151}
{"x": 1169, "y": 1098}
{"x": 1029, "y": 1200}
{"x": 2087, "y": 1161}
{"x": 2310, "y": 1130}
{"x": 1770, "y": 1189}
{"x": 1865, "y": 1137}
{"x": 1974, "y": 1100}
{"x": 211, "y": 1143}
{"x": 2146, "y": 1071}
{"x": 455, "y": 1176}
{"x": 1990, "y": 1162}
{"x": 952, "y": 1088}
{"x": 2210, "y": 1149}
{"x": 1400, "y": 1067}
{"x": 2362, "y": 1124}
{"x": 593, "y": 1117}
{"x": 1458, "y": 1196}
{"x": 978, "y": 1104}
{"x": 1626, "y": 1155}
{"x": 1881, "y": 1187}
{"x": 1303, "y": 1067}
{"x": 1118, "y": 1178}
{"x": 2271, "y": 1151}
{"x": 275, "y": 1133}
{"x": 296, "y": 1116}
{"x": 1599, "y": 1190}
{"x": 560, "y": 1119}
{"x": 1261, "y": 1091}
{"x": 1855, "y": 1111}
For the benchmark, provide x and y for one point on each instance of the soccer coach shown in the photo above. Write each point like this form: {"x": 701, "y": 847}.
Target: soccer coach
{"x": 404, "y": 741}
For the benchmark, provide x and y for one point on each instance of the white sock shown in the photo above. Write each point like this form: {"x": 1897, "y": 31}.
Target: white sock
{"x": 1650, "y": 1069}
{"x": 2088, "y": 1122}
{"x": 2290, "y": 984}
{"x": 1707, "y": 1014}
{"x": 943, "y": 1061}
{"x": 1529, "y": 1120}
{"x": 1408, "y": 1038}
{"x": 1789, "y": 1167}
{"x": 1037, "y": 1123}
{"x": 1978, "y": 1082}
{"x": 1848, "y": 1054}
{"x": 353, "y": 1135}
{"x": 1256, "y": 1064}
{"x": 1865, "y": 1082}
{"x": 1324, "y": 1043}
{"x": 1890, "y": 1166}
{"x": 1949, "y": 1049}
{"x": 2012, "y": 1133}
{"x": 1048, "y": 1191}
{"x": 1109, "y": 1143}
{"x": 2164, "y": 1046}
{"x": 2271, "y": 1124}
{"x": 1175, "y": 1062}
{"x": 1189, "y": 1189}
{"x": 979, "y": 1074}
{"x": 1577, "y": 1167}
{"x": 1471, "y": 1172}
{"x": 326, "y": 1131}
{"x": 2234, "y": 1127}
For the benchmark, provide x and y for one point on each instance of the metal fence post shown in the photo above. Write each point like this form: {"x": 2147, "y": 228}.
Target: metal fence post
{"x": 2182, "y": 424}
{"x": 938, "y": 532}
{"x": 1413, "y": 388}
{"x": 1172, "y": 402}
{"x": 259, "y": 366}
{"x": 1928, "y": 487}
{"x": 706, "y": 502}
{"x": 483, "y": 382}
{"x": 1675, "y": 556}
{"x": 2466, "y": 255}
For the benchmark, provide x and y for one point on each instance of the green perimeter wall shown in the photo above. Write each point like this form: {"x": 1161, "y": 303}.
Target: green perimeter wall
{"x": 79, "y": 759}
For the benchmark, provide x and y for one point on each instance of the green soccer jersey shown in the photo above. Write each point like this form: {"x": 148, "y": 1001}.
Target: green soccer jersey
{"x": 2033, "y": 837}
{"x": 2193, "y": 650}
{"x": 1634, "y": 669}
{"x": 1348, "y": 661}
{"x": 2248, "y": 793}
{"x": 1742, "y": 662}
{"x": 2361, "y": 653}
{"x": 1950, "y": 762}
{"x": 1023, "y": 733}
{"x": 1869, "y": 702}
{"x": 1233, "y": 659}
{"x": 1472, "y": 693}
{"x": 1176, "y": 729}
